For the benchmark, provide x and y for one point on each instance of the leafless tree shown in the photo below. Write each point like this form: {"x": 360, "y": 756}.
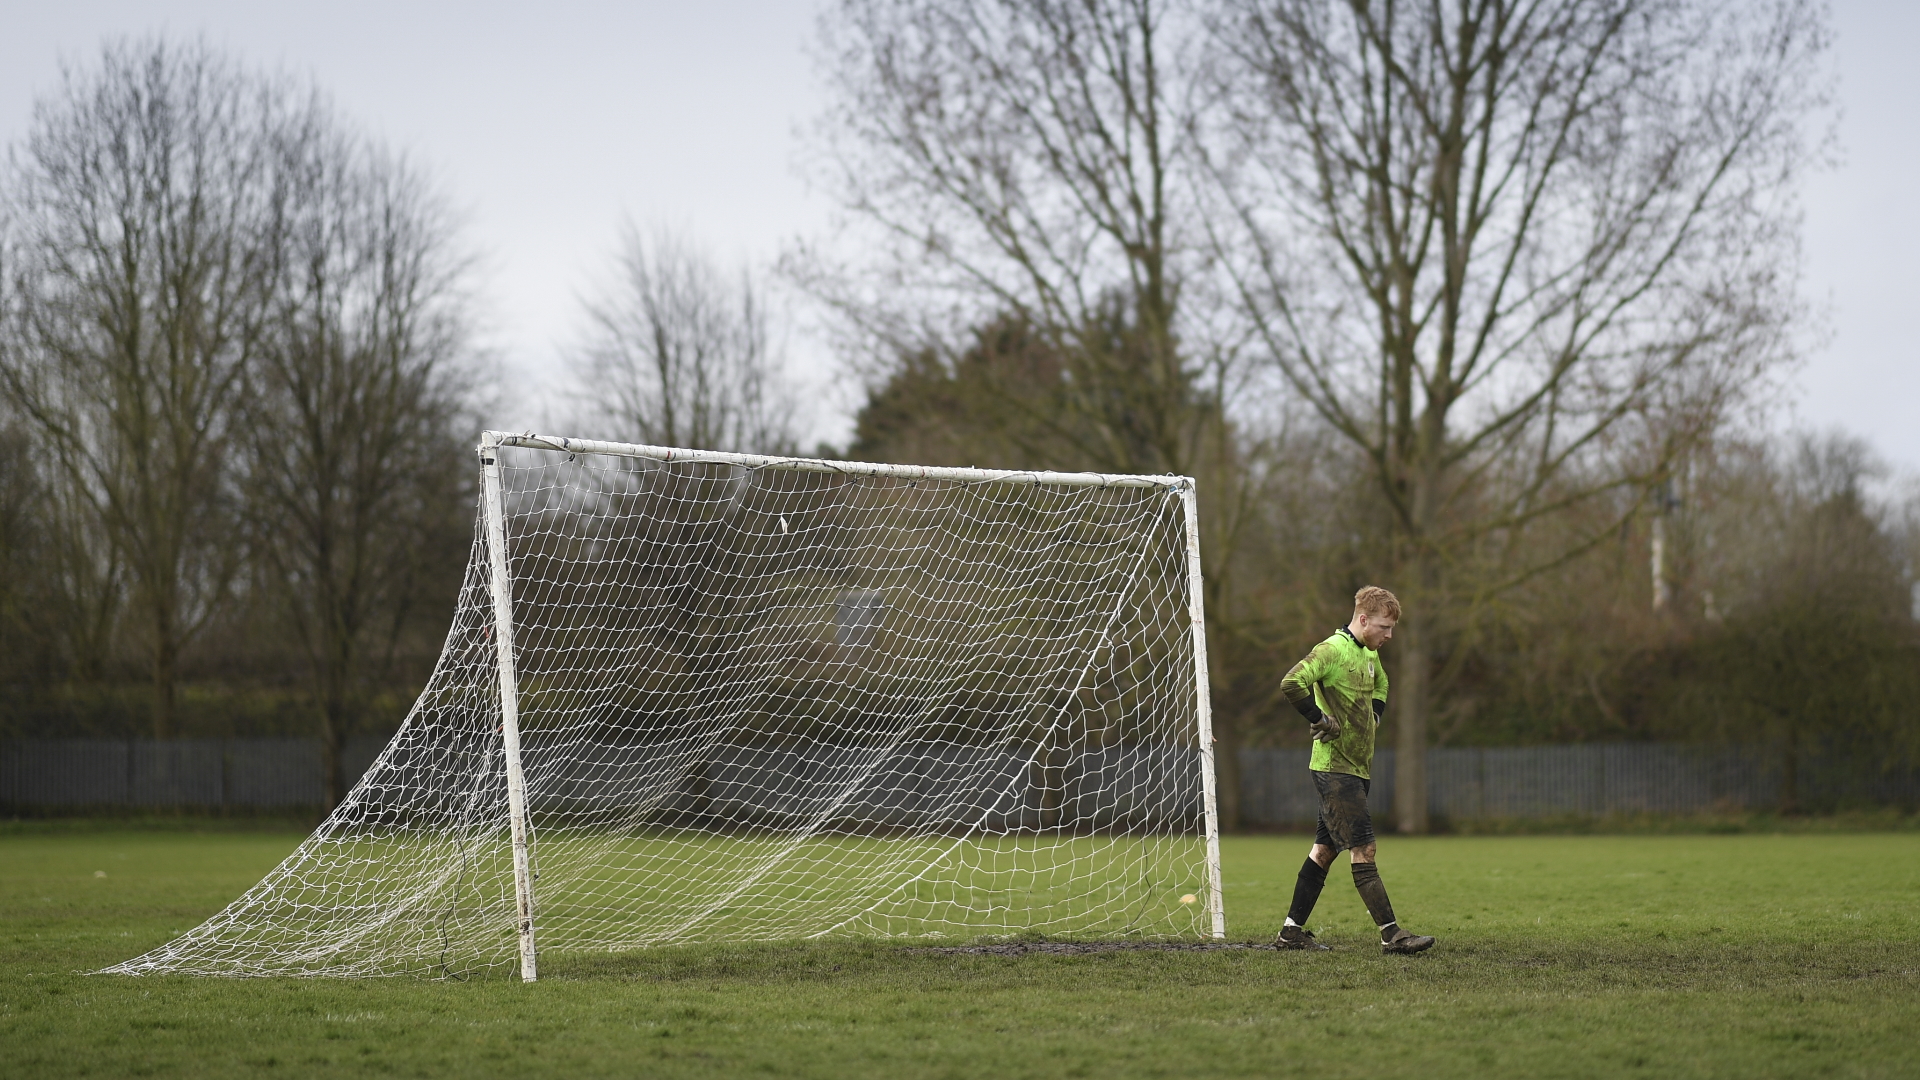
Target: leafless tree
{"x": 353, "y": 474}
{"x": 679, "y": 353}
{"x": 139, "y": 216}
{"x": 1019, "y": 160}
{"x": 1026, "y": 164}
{"x": 1519, "y": 253}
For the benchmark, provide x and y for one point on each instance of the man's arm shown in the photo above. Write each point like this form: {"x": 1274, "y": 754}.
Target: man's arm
{"x": 1380, "y": 696}
{"x": 1298, "y": 685}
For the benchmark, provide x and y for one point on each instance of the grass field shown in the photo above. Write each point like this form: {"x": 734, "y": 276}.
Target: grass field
{"x": 1575, "y": 956}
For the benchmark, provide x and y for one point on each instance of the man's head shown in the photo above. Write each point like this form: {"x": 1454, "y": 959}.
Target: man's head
{"x": 1375, "y": 611}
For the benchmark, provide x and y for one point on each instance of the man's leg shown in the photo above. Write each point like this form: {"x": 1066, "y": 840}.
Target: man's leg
{"x": 1306, "y": 891}
{"x": 1306, "y": 888}
{"x": 1343, "y": 807}
{"x": 1366, "y": 878}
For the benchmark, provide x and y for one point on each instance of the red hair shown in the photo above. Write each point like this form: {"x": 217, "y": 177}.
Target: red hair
{"x": 1374, "y": 600}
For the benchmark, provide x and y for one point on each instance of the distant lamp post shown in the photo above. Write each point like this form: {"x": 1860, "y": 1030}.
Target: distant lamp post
{"x": 1664, "y": 503}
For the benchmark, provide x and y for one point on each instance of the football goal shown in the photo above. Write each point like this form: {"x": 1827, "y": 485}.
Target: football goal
{"x": 692, "y": 697}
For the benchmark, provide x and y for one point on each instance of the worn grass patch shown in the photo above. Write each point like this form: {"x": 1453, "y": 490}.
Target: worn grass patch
{"x": 1575, "y": 956}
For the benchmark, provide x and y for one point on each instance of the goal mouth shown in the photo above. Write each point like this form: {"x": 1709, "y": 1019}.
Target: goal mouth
{"x": 698, "y": 696}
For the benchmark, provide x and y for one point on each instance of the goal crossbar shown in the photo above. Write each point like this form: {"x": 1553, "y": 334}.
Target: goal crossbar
{"x": 825, "y": 465}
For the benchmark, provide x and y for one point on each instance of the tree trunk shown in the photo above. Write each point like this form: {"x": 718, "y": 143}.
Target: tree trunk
{"x": 1790, "y": 773}
{"x": 1226, "y": 728}
{"x": 337, "y": 708}
{"x": 1410, "y": 703}
{"x": 333, "y": 739}
{"x": 1422, "y": 442}
{"x": 1226, "y": 770}
{"x": 166, "y": 658}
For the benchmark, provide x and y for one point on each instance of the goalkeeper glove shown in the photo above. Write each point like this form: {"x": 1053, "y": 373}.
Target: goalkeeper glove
{"x": 1379, "y": 709}
{"x": 1325, "y": 728}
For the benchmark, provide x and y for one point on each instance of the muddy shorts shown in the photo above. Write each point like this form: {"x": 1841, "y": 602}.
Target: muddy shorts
{"x": 1345, "y": 823}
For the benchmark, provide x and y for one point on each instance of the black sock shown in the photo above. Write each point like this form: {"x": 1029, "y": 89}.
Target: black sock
{"x": 1366, "y": 878}
{"x": 1306, "y": 891}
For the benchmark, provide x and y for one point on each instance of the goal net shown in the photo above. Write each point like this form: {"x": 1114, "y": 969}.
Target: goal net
{"x": 695, "y": 697}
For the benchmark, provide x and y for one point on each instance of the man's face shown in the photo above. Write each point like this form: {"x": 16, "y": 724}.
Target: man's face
{"x": 1374, "y": 630}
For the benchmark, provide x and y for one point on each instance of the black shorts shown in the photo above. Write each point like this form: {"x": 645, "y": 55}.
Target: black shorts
{"x": 1345, "y": 823}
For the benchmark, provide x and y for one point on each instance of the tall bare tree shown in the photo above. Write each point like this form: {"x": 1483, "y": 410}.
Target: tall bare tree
{"x": 352, "y": 469}
{"x": 143, "y": 251}
{"x": 1025, "y": 164}
{"x": 679, "y": 353}
{"x": 1519, "y": 253}
{"x": 1020, "y": 160}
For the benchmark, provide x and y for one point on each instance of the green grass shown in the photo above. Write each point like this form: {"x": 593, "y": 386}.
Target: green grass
{"x": 1735, "y": 956}
{"x": 602, "y": 890}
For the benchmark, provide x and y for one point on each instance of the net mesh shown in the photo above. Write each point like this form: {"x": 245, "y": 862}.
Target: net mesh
{"x": 759, "y": 704}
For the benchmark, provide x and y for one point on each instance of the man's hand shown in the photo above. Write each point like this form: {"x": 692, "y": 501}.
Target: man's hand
{"x": 1325, "y": 729}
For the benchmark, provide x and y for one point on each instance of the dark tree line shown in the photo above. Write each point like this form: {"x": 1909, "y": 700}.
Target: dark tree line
{"x": 230, "y": 342}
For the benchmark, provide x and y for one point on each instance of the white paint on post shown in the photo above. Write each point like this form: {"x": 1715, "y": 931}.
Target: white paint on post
{"x": 1203, "y": 706}
{"x": 509, "y": 700}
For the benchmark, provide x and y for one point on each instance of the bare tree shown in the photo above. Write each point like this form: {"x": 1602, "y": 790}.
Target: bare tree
{"x": 1014, "y": 164}
{"x": 679, "y": 353}
{"x": 1020, "y": 160}
{"x": 352, "y": 469}
{"x": 1519, "y": 253}
{"x": 142, "y": 266}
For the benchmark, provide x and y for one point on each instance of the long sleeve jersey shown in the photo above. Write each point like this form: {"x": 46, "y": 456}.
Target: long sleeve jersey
{"x": 1345, "y": 679}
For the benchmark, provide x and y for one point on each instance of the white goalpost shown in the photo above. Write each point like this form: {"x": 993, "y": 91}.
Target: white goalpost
{"x": 692, "y": 696}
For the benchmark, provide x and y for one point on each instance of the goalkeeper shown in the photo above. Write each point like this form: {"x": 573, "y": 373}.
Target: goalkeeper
{"x": 1342, "y": 692}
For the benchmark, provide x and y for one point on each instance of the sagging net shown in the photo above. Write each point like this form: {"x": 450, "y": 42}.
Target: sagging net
{"x": 762, "y": 704}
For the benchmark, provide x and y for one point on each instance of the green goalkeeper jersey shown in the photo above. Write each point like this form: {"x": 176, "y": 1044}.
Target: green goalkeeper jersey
{"x": 1345, "y": 679}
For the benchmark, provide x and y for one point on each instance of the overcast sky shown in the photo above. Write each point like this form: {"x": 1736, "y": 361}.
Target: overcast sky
{"x": 551, "y": 124}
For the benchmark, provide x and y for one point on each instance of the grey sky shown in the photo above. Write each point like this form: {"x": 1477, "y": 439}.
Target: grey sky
{"x": 1863, "y": 236}
{"x": 550, "y": 124}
